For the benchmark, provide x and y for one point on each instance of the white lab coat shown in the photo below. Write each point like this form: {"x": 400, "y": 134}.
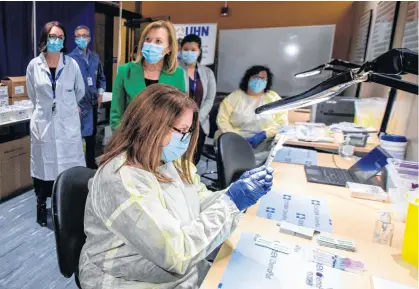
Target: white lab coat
{"x": 56, "y": 142}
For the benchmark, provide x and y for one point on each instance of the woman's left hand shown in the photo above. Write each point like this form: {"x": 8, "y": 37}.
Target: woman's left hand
{"x": 257, "y": 139}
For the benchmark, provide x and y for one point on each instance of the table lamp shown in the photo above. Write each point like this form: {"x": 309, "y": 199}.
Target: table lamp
{"x": 384, "y": 70}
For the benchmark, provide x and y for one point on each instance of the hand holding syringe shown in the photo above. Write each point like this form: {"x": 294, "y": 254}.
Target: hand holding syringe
{"x": 277, "y": 143}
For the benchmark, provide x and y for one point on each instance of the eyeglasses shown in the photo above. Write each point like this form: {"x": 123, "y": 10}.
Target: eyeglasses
{"x": 54, "y": 37}
{"x": 83, "y": 35}
{"x": 185, "y": 135}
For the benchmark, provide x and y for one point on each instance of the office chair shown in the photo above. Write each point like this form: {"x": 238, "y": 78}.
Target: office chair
{"x": 234, "y": 157}
{"x": 68, "y": 202}
{"x": 208, "y": 151}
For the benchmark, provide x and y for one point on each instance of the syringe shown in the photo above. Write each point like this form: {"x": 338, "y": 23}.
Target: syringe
{"x": 278, "y": 141}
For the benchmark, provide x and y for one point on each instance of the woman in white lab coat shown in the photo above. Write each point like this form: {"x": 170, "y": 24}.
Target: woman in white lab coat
{"x": 55, "y": 86}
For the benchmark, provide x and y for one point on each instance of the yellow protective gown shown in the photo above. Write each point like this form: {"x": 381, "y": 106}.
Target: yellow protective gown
{"x": 237, "y": 114}
{"x": 146, "y": 234}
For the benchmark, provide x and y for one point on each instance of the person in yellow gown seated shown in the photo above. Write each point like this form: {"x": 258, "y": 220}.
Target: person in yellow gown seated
{"x": 237, "y": 112}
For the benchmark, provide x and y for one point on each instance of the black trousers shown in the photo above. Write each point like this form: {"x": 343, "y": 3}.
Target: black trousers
{"x": 43, "y": 189}
{"x": 200, "y": 145}
{"x": 91, "y": 143}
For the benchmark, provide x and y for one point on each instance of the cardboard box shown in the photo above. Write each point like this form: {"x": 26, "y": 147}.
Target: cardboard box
{"x": 12, "y": 100}
{"x": 15, "y": 173}
{"x": 4, "y": 96}
{"x": 16, "y": 86}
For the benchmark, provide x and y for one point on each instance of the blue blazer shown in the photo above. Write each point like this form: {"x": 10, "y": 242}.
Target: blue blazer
{"x": 90, "y": 66}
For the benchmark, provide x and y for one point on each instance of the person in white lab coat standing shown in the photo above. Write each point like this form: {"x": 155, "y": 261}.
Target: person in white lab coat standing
{"x": 55, "y": 86}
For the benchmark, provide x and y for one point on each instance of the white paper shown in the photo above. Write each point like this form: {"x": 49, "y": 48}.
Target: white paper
{"x": 4, "y": 91}
{"x": 273, "y": 270}
{"x": 106, "y": 97}
{"x": 20, "y": 89}
{"x": 380, "y": 283}
{"x": 300, "y": 210}
{"x": 4, "y": 100}
{"x": 208, "y": 34}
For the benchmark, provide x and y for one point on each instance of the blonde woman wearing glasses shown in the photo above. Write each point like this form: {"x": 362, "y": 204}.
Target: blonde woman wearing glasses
{"x": 149, "y": 221}
{"x": 156, "y": 63}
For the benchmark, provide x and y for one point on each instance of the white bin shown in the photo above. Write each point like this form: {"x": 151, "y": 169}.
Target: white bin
{"x": 395, "y": 145}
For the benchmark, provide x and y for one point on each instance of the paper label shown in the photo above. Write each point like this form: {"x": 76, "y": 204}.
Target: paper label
{"x": 4, "y": 100}
{"x": 4, "y": 91}
{"x": 4, "y": 117}
{"x": 20, "y": 89}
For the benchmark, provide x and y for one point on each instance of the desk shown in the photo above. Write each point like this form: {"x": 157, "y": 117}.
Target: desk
{"x": 334, "y": 146}
{"x": 12, "y": 122}
{"x": 352, "y": 218}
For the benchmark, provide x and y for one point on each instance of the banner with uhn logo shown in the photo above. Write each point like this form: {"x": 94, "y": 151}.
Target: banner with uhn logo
{"x": 208, "y": 34}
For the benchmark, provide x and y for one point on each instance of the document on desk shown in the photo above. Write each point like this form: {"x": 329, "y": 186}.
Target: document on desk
{"x": 296, "y": 156}
{"x": 253, "y": 266}
{"x": 380, "y": 283}
{"x": 299, "y": 210}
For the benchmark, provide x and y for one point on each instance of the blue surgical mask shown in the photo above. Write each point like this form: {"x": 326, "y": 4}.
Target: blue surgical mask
{"x": 257, "y": 84}
{"x": 176, "y": 148}
{"x": 189, "y": 56}
{"x": 55, "y": 45}
{"x": 82, "y": 42}
{"x": 152, "y": 53}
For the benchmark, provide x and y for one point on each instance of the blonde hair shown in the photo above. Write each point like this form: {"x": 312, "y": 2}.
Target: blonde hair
{"x": 170, "y": 59}
{"x": 147, "y": 120}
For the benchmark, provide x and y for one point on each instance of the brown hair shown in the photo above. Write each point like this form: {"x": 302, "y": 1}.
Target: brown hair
{"x": 170, "y": 59}
{"x": 42, "y": 46}
{"x": 146, "y": 122}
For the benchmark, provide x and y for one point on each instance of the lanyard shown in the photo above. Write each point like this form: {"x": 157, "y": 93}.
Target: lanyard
{"x": 54, "y": 81}
{"x": 194, "y": 81}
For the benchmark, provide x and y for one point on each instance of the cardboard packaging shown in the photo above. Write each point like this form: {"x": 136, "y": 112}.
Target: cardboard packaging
{"x": 13, "y": 100}
{"x": 16, "y": 86}
{"x": 4, "y": 96}
{"x": 15, "y": 173}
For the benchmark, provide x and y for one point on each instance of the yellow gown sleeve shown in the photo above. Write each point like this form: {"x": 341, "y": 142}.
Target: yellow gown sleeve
{"x": 224, "y": 115}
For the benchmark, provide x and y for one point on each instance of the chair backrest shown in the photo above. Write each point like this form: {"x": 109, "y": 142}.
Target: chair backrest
{"x": 234, "y": 157}
{"x": 68, "y": 203}
{"x": 213, "y": 119}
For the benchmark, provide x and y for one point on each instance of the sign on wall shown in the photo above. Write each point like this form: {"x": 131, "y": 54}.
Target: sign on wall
{"x": 208, "y": 34}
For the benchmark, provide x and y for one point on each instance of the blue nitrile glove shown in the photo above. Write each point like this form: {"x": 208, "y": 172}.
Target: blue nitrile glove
{"x": 257, "y": 138}
{"x": 246, "y": 191}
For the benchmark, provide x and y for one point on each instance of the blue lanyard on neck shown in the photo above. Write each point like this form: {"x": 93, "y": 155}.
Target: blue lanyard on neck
{"x": 54, "y": 80}
{"x": 194, "y": 81}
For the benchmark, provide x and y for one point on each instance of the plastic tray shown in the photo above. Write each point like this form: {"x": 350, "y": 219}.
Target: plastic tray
{"x": 402, "y": 178}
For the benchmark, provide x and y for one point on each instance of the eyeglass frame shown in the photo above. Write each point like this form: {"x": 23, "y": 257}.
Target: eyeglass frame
{"x": 184, "y": 134}
{"x": 54, "y": 37}
{"x": 82, "y": 36}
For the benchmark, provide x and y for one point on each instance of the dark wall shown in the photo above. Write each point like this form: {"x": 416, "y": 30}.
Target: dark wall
{"x": 70, "y": 14}
{"x": 16, "y": 44}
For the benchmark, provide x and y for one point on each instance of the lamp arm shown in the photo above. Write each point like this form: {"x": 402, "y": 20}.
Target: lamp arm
{"x": 344, "y": 63}
{"x": 393, "y": 82}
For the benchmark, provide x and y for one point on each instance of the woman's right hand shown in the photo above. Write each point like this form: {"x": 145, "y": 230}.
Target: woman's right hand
{"x": 251, "y": 186}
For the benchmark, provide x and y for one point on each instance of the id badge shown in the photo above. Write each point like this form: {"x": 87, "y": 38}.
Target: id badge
{"x": 54, "y": 108}
{"x": 89, "y": 81}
